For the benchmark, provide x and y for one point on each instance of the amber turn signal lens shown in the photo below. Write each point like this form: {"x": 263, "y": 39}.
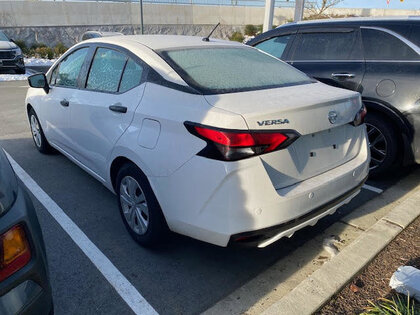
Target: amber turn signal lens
{"x": 15, "y": 251}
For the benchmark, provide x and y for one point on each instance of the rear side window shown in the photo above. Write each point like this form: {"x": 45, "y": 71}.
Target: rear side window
{"x": 132, "y": 76}
{"x": 415, "y": 35}
{"x": 328, "y": 46}
{"x": 379, "y": 45}
{"x": 214, "y": 70}
{"x": 106, "y": 70}
{"x": 67, "y": 72}
{"x": 275, "y": 46}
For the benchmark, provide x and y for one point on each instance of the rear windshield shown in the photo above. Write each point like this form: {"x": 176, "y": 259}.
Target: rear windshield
{"x": 217, "y": 70}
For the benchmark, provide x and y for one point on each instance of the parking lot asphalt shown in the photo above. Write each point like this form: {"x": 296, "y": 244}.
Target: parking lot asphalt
{"x": 184, "y": 276}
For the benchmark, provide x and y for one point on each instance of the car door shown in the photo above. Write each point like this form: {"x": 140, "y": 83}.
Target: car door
{"x": 104, "y": 108}
{"x": 54, "y": 112}
{"x": 331, "y": 55}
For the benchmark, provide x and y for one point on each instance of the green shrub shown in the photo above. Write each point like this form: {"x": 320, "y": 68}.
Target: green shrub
{"x": 250, "y": 30}
{"x": 44, "y": 52}
{"x": 396, "y": 306}
{"x": 38, "y": 45}
{"x": 22, "y": 45}
{"x": 237, "y": 37}
{"x": 59, "y": 49}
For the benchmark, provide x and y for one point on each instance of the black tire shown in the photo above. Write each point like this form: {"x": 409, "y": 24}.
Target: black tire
{"x": 20, "y": 71}
{"x": 383, "y": 151}
{"x": 157, "y": 228}
{"x": 43, "y": 146}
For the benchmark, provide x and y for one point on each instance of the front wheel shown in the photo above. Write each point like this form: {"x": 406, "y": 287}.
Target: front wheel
{"x": 382, "y": 143}
{"x": 139, "y": 207}
{"x": 38, "y": 136}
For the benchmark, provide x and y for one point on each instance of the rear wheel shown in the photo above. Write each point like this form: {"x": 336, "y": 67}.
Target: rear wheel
{"x": 38, "y": 136}
{"x": 139, "y": 207}
{"x": 383, "y": 143}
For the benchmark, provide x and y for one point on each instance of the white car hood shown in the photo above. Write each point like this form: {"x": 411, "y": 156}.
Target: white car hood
{"x": 7, "y": 45}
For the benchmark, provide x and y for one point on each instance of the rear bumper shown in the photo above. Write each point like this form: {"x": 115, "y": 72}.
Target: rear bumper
{"x": 212, "y": 201}
{"x": 28, "y": 290}
{"x": 267, "y": 236}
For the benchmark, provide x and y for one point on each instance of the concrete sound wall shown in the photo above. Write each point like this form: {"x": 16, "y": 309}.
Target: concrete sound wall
{"x": 51, "y": 13}
{"x": 51, "y": 22}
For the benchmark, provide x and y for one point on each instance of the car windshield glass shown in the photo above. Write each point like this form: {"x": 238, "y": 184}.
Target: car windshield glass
{"x": 216, "y": 70}
{"x": 3, "y": 37}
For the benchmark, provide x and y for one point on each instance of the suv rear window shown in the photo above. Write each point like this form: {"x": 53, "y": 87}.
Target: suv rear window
{"x": 415, "y": 35}
{"x": 216, "y": 70}
{"x": 379, "y": 45}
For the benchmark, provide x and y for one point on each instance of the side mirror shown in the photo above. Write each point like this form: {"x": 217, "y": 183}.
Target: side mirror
{"x": 39, "y": 80}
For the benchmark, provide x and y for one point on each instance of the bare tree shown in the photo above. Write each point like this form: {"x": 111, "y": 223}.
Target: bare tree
{"x": 317, "y": 8}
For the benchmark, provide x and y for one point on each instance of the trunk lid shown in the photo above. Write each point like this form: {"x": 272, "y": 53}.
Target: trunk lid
{"x": 319, "y": 113}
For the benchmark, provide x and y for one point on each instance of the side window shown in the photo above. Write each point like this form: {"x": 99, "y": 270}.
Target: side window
{"x": 379, "y": 45}
{"x": 106, "y": 70}
{"x": 132, "y": 76}
{"x": 67, "y": 72}
{"x": 415, "y": 35}
{"x": 328, "y": 46}
{"x": 275, "y": 46}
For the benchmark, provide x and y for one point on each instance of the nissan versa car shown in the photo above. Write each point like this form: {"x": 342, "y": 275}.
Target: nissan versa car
{"x": 210, "y": 139}
{"x": 24, "y": 283}
{"x": 378, "y": 57}
{"x": 11, "y": 57}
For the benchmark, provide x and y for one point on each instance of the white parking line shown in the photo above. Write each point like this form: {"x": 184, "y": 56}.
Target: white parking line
{"x": 125, "y": 289}
{"x": 374, "y": 189}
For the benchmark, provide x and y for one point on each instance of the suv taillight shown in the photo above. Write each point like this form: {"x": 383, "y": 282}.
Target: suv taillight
{"x": 360, "y": 116}
{"x": 233, "y": 145}
{"x": 15, "y": 252}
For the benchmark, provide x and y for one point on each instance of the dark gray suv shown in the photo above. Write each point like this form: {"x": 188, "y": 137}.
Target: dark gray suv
{"x": 11, "y": 57}
{"x": 380, "y": 58}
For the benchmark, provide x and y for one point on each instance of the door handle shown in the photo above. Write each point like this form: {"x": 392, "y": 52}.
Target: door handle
{"x": 64, "y": 103}
{"x": 118, "y": 108}
{"x": 343, "y": 75}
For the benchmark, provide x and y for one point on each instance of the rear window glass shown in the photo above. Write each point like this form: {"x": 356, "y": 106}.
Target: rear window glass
{"x": 415, "y": 35}
{"x": 226, "y": 69}
{"x": 379, "y": 45}
{"x": 275, "y": 46}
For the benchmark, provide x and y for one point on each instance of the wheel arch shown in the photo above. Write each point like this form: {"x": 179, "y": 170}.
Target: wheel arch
{"x": 28, "y": 108}
{"x": 390, "y": 112}
{"x": 403, "y": 127}
{"x": 116, "y": 164}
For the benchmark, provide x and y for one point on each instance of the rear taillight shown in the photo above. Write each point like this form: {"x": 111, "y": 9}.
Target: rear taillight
{"x": 233, "y": 145}
{"x": 360, "y": 116}
{"x": 15, "y": 252}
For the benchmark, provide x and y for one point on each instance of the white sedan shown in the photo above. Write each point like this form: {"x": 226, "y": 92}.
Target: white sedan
{"x": 211, "y": 139}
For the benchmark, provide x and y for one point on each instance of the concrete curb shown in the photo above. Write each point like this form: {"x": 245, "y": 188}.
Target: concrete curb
{"x": 312, "y": 293}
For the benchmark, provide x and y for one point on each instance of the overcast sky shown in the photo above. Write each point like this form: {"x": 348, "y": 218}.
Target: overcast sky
{"x": 394, "y": 4}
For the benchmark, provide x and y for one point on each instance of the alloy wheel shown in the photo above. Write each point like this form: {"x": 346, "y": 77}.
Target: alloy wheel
{"x": 36, "y": 131}
{"x": 134, "y": 205}
{"x": 378, "y": 146}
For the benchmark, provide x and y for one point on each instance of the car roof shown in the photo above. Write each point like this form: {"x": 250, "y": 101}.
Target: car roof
{"x": 162, "y": 42}
{"x": 354, "y": 21}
